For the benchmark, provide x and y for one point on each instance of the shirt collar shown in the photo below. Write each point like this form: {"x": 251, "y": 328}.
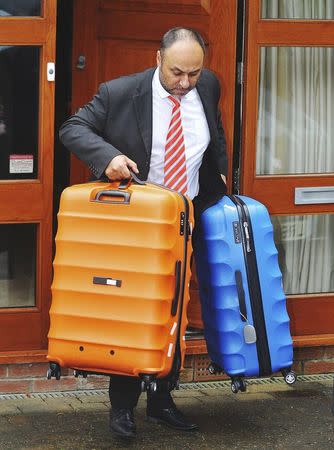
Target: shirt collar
{"x": 161, "y": 91}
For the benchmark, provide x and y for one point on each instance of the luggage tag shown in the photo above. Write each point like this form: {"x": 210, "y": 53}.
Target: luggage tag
{"x": 249, "y": 331}
{"x": 249, "y": 334}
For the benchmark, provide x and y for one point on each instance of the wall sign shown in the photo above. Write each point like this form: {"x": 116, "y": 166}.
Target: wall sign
{"x": 21, "y": 163}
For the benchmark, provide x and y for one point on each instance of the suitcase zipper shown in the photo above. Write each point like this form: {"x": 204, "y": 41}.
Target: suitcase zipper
{"x": 254, "y": 287}
{"x": 186, "y": 230}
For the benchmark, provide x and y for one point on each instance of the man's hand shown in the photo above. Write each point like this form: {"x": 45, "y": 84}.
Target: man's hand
{"x": 118, "y": 168}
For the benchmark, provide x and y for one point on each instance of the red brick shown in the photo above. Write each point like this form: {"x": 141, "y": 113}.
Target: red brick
{"x": 297, "y": 367}
{"x": 329, "y": 352}
{"x": 318, "y": 367}
{"x": 27, "y": 370}
{"x": 70, "y": 383}
{"x": 96, "y": 382}
{"x": 188, "y": 362}
{"x": 307, "y": 353}
{"x": 15, "y": 386}
{"x": 64, "y": 384}
{"x": 209, "y": 377}
{"x": 3, "y": 371}
{"x": 186, "y": 376}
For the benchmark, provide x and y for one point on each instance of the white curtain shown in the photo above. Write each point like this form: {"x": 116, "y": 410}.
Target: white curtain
{"x": 295, "y": 136}
{"x": 297, "y": 9}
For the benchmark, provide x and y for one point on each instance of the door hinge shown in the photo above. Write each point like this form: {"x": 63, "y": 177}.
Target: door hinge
{"x": 240, "y": 72}
{"x": 236, "y": 181}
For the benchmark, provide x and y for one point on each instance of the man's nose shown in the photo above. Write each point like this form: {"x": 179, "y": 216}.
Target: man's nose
{"x": 185, "y": 81}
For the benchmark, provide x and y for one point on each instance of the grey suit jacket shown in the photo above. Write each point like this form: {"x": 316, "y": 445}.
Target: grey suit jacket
{"x": 118, "y": 120}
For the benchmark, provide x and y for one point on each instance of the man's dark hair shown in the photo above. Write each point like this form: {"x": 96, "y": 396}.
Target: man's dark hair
{"x": 181, "y": 34}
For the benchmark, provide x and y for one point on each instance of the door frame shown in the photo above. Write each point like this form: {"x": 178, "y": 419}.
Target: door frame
{"x": 307, "y": 310}
{"x": 25, "y": 329}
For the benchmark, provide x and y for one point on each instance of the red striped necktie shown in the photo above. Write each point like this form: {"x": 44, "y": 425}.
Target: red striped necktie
{"x": 175, "y": 169}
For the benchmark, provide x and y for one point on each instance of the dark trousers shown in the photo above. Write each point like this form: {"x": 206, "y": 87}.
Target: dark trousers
{"x": 124, "y": 393}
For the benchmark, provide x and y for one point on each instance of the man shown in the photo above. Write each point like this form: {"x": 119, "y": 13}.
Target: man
{"x": 124, "y": 127}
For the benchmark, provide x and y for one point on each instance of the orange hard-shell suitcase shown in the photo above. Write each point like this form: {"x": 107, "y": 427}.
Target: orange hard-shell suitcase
{"x": 121, "y": 281}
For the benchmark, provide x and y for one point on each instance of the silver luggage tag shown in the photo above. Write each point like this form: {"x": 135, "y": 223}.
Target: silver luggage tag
{"x": 249, "y": 334}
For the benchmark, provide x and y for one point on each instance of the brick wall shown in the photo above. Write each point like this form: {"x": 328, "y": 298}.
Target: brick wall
{"x": 31, "y": 377}
{"x": 307, "y": 360}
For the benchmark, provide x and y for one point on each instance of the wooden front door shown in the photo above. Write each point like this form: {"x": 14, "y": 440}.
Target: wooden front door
{"x": 288, "y": 146}
{"x": 114, "y": 38}
{"x": 27, "y": 74}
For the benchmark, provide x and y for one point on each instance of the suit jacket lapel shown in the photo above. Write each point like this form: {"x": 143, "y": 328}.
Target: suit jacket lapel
{"x": 143, "y": 106}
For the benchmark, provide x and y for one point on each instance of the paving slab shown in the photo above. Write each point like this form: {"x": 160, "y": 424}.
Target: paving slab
{"x": 284, "y": 418}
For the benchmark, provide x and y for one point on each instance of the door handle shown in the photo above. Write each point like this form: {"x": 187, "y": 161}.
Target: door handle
{"x": 317, "y": 194}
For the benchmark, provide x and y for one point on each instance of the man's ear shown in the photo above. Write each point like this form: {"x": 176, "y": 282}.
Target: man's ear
{"x": 158, "y": 58}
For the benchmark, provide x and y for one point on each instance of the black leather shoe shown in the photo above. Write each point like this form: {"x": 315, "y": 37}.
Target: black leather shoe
{"x": 122, "y": 423}
{"x": 171, "y": 417}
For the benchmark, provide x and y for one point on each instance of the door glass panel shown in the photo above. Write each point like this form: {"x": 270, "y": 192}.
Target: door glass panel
{"x": 17, "y": 265}
{"x": 306, "y": 252}
{"x": 19, "y": 99}
{"x": 297, "y": 9}
{"x": 295, "y": 132}
{"x": 20, "y": 8}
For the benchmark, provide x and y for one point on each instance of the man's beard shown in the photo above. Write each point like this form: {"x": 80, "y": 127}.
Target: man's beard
{"x": 174, "y": 91}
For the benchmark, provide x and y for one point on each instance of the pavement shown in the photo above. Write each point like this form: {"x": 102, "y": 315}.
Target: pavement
{"x": 269, "y": 415}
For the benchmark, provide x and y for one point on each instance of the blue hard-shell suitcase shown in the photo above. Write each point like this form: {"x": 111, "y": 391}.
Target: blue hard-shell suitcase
{"x": 246, "y": 324}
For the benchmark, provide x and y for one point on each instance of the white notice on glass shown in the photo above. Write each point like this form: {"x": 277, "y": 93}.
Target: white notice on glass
{"x": 21, "y": 163}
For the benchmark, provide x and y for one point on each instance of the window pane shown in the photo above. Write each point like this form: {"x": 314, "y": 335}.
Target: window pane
{"x": 19, "y": 97}
{"x": 295, "y": 132}
{"x": 297, "y": 9}
{"x": 306, "y": 252}
{"x": 20, "y": 8}
{"x": 17, "y": 265}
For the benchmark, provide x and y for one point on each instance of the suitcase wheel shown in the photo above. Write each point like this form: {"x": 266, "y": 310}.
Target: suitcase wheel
{"x": 290, "y": 377}
{"x": 53, "y": 371}
{"x": 78, "y": 373}
{"x": 238, "y": 385}
{"x": 148, "y": 384}
{"x": 152, "y": 386}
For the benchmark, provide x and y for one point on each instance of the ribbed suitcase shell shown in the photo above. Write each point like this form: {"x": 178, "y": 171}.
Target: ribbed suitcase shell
{"x": 126, "y": 329}
{"x": 219, "y": 255}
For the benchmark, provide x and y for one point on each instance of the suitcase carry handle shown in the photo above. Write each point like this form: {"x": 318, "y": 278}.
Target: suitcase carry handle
{"x": 111, "y": 193}
{"x": 125, "y": 196}
{"x": 241, "y": 295}
{"x": 177, "y": 287}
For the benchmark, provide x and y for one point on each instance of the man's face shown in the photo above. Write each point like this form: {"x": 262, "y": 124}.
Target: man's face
{"x": 180, "y": 67}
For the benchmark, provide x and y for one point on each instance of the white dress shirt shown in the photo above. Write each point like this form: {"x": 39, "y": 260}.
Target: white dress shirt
{"x": 195, "y": 131}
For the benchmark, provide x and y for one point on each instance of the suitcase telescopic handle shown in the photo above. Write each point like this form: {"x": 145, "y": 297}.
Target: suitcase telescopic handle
{"x": 177, "y": 288}
{"x": 133, "y": 179}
